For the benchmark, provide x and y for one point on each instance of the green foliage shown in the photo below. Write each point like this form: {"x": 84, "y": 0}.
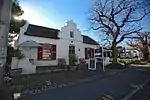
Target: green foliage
{"x": 18, "y": 54}
{"x": 15, "y": 24}
{"x": 123, "y": 61}
{"x": 132, "y": 61}
{"x": 139, "y": 62}
{"x": 72, "y": 59}
{"x": 11, "y": 52}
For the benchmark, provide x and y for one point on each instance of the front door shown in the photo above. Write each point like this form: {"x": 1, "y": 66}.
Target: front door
{"x": 92, "y": 61}
{"x": 71, "y": 49}
{"x": 92, "y": 64}
{"x": 72, "y": 55}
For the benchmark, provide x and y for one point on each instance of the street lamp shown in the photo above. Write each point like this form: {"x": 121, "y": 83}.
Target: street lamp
{"x": 5, "y": 15}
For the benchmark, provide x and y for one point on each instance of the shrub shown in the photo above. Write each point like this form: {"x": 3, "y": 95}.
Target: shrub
{"x": 72, "y": 59}
{"x": 11, "y": 52}
{"x": 122, "y": 61}
{"x": 61, "y": 62}
{"x": 138, "y": 62}
{"x": 82, "y": 61}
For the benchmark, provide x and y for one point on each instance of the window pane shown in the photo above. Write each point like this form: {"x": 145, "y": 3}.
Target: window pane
{"x": 47, "y": 52}
{"x": 54, "y": 48}
{"x": 71, "y": 49}
{"x": 54, "y": 56}
{"x": 71, "y": 34}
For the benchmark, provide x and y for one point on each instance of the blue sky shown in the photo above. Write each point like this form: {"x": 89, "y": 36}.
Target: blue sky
{"x": 54, "y": 13}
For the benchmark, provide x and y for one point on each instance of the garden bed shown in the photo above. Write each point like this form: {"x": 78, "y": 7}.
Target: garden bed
{"x": 45, "y": 80}
{"x": 39, "y": 80}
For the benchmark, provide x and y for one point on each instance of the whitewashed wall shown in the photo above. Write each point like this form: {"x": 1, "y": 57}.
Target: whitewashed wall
{"x": 14, "y": 63}
{"x": 24, "y": 64}
{"x": 66, "y": 40}
{"x": 29, "y": 52}
{"x": 27, "y": 67}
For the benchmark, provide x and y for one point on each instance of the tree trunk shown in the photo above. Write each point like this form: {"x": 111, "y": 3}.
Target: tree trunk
{"x": 146, "y": 53}
{"x": 114, "y": 53}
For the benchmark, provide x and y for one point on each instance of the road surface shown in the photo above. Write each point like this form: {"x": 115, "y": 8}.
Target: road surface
{"x": 118, "y": 86}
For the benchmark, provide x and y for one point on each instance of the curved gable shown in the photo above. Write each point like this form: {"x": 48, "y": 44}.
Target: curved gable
{"x": 71, "y": 28}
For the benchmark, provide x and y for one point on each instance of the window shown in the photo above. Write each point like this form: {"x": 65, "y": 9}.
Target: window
{"x": 71, "y": 49}
{"x": 47, "y": 52}
{"x": 89, "y": 53}
{"x": 71, "y": 34}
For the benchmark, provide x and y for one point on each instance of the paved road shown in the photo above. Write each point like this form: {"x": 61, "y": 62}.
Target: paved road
{"x": 118, "y": 86}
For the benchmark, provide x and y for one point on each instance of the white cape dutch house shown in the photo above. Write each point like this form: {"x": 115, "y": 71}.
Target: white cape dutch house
{"x": 46, "y": 45}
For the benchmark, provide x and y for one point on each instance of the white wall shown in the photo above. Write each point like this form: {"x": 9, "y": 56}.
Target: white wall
{"x": 24, "y": 64}
{"x": 70, "y": 26}
{"x": 14, "y": 63}
{"x": 64, "y": 49}
{"x": 29, "y": 52}
{"x": 27, "y": 67}
{"x": 47, "y": 63}
{"x": 66, "y": 40}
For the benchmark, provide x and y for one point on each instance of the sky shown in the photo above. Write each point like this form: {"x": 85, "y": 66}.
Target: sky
{"x": 54, "y": 14}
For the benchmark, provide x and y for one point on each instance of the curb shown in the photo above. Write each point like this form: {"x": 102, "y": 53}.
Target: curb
{"x": 136, "y": 90}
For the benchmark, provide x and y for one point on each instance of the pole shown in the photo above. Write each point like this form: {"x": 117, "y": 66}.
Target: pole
{"x": 5, "y": 15}
{"x": 103, "y": 59}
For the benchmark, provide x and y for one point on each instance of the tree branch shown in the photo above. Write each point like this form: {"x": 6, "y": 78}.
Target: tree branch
{"x": 126, "y": 34}
{"x": 97, "y": 28}
{"x": 101, "y": 21}
{"x": 126, "y": 18}
{"x": 139, "y": 19}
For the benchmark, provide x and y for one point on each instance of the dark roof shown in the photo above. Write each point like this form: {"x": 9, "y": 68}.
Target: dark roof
{"x": 88, "y": 40}
{"x": 40, "y": 31}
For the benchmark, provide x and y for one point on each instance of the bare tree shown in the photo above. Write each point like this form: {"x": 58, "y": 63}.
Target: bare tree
{"x": 141, "y": 41}
{"x": 117, "y": 19}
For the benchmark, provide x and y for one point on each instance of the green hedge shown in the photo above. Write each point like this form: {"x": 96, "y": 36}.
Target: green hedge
{"x": 139, "y": 62}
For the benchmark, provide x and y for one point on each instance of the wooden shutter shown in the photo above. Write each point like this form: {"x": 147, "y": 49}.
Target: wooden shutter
{"x": 40, "y": 53}
{"x": 92, "y": 53}
{"x": 86, "y": 53}
{"x": 53, "y": 52}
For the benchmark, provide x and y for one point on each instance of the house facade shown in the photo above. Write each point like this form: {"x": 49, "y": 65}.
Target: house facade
{"x": 46, "y": 45}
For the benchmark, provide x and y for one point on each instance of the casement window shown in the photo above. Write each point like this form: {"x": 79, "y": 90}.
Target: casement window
{"x": 89, "y": 53}
{"x": 47, "y": 52}
{"x": 71, "y": 34}
{"x": 71, "y": 49}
